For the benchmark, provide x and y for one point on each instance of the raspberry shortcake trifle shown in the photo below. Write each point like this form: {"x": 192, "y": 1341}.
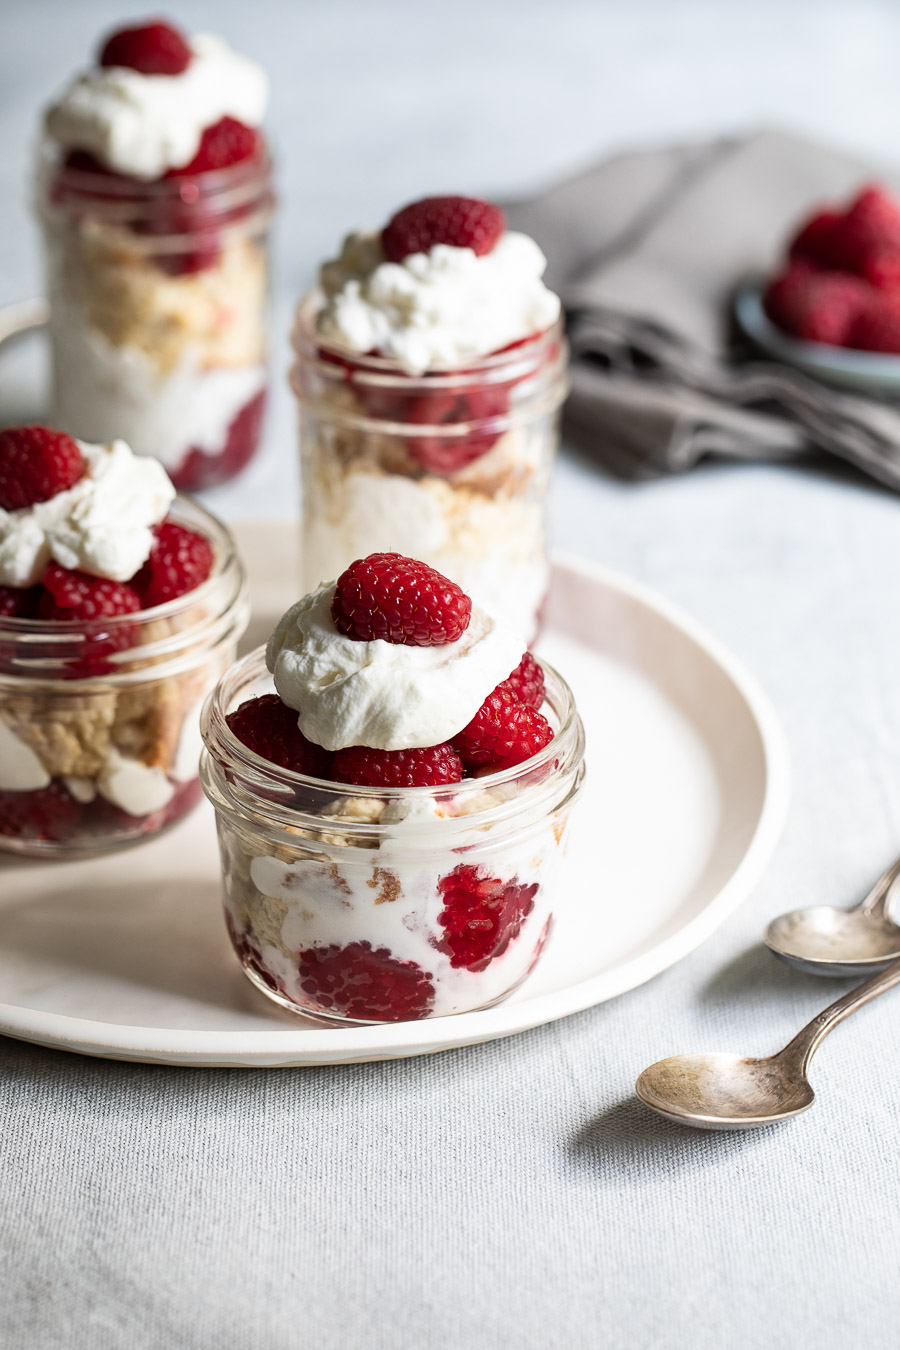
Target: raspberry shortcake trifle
{"x": 120, "y": 606}
{"x": 430, "y": 369}
{"x": 154, "y": 190}
{"x": 393, "y": 814}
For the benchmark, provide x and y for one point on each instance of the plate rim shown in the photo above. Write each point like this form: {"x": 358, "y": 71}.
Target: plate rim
{"x": 343, "y": 1045}
{"x": 842, "y": 364}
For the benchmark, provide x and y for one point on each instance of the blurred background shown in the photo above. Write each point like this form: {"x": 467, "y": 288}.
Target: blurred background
{"x": 376, "y": 102}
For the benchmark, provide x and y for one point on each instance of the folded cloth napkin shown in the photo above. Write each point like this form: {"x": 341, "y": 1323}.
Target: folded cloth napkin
{"x": 646, "y": 251}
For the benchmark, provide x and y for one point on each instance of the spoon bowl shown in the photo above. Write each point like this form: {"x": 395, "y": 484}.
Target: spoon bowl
{"x": 823, "y": 940}
{"x": 724, "y": 1092}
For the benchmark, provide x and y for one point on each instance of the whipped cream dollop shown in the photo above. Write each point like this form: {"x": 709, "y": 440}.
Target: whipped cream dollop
{"x": 436, "y": 309}
{"x": 103, "y": 525}
{"x": 385, "y": 695}
{"x": 144, "y": 125}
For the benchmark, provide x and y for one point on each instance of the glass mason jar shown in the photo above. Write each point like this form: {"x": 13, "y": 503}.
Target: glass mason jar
{"x": 361, "y": 905}
{"x": 158, "y": 298}
{"x": 452, "y": 467}
{"x": 99, "y": 720}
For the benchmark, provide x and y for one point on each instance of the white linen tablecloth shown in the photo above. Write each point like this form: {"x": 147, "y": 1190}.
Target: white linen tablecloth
{"x": 514, "y": 1196}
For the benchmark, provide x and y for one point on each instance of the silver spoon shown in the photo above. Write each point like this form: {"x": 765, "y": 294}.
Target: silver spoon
{"x": 824, "y": 940}
{"x": 727, "y": 1092}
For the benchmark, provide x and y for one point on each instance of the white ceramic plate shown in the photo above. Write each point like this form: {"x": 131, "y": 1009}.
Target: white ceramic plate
{"x": 126, "y": 957}
{"x": 873, "y": 372}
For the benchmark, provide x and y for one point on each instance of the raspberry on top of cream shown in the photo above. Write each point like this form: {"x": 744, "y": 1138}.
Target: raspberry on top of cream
{"x": 390, "y": 677}
{"x": 385, "y": 695}
{"x": 143, "y": 125}
{"x": 470, "y": 287}
{"x": 102, "y": 525}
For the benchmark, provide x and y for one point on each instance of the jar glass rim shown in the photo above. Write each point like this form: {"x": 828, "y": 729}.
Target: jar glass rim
{"x": 508, "y": 364}
{"x": 223, "y": 747}
{"x": 221, "y": 598}
{"x": 120, "y": 186}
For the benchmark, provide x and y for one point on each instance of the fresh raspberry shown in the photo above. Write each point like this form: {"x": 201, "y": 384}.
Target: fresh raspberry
{"x": 269, "y": 728}
{"x": 180, "y": 561}
{"x": 871, "y": 226}
{"x": 35, "y": 464}
{"x": 365, "y": 982}
{"x": 226, "y": 142}
{"x": 503, "y": 732}
{"x": 202, "y": 469}
{"x": 151, "y": 48}
{"x": 462, "y": 222}
{"x": 19, "y": 602}
{"x": 813, "y": 241}
{"x": 883, "y": 270}
{"x": 397, "y": 768}
{"x": 527, "y": 682}
{"x": 877, "y": 327}
{"x": 77, "y": 596}
{"x": 482, "y": 915}
{"x": 48, "y": 813}
{"x": 446, "y": 455}
{"x": 399, "y": 600}
{"x": 816, "y": 306}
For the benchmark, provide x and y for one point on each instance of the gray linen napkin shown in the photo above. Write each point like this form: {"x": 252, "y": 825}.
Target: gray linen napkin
{"x": 646, "y": 251}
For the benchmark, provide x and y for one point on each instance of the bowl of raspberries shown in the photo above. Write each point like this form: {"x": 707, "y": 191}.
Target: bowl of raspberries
{"x": 833, "y": 307}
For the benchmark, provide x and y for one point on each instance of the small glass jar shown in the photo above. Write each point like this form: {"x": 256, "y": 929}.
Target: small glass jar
{"x": 362, "y": 905}
{"x": 99, "y": 721}
{"x": 452, "y": 466}
{"x": 158, "y": 300}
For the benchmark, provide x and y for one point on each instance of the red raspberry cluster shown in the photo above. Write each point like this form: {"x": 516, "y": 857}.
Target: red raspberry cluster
{"x": 841, "y": 282}
{"x": 396, "y": 599}
{"x": 36, "y": 464}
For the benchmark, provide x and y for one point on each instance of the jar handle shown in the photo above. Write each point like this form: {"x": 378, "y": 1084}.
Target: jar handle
{"x": 22, "y": 316}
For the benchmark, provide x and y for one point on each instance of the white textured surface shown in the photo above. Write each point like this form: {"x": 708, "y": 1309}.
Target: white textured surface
{"x": 514, "y": 1195}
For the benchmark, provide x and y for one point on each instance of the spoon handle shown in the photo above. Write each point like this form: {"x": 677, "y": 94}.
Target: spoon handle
{"x": 801, "y": 1049}
{"x": 876, "y": 901}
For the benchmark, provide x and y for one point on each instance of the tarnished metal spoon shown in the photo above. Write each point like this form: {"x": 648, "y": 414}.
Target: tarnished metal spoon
{"x": 727, "y": 1092}
{"x": 823, "y": 940}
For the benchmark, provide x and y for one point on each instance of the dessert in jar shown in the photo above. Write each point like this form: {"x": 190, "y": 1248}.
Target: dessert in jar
{"x": 392, "y": 778}
{"x": 430, "y": 369}
{"x": 154, "y": 192}
{"x": 120, "y": 606}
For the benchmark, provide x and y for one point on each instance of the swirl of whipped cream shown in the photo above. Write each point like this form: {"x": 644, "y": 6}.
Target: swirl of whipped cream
{"x": 144, "y": 125}
{"x": 382, "y": 694}
{"x": 102, "y": 525}
{"x": 436, "y": 309}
